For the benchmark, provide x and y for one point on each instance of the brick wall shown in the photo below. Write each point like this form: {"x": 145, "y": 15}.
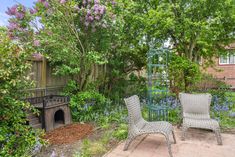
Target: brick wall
{"x": 223, "y": 72}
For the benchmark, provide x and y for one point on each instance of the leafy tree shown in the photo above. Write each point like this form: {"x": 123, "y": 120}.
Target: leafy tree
{"x": 194, "y": 29}
{"x": 199, "y": 28}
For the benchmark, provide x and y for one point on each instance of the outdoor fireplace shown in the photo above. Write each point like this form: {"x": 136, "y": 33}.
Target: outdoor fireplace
{"x": 54, "y": 112}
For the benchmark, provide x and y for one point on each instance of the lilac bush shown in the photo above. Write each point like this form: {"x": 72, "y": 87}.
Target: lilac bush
{"x": 77, "y": 31}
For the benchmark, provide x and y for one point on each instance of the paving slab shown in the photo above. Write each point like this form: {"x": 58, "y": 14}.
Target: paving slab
{"x": 198, "y": 143}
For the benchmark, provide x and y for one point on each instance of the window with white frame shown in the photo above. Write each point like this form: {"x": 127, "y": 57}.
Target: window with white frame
{"x": 229, "y": 59}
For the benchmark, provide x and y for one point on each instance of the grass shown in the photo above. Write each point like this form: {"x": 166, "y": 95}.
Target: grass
{"x": 100, "y": 146}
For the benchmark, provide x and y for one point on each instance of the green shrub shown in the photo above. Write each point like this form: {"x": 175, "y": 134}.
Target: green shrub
{"x": 16, "y": 138}
{"x": 207, "y": 81}
{"x": 71, "y": 88}
{"x": 86, "y": 106}
{"x": 183, "y": 73}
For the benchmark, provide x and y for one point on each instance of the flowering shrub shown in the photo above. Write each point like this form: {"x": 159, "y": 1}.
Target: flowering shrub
{"x": 16, "y": 138}
{"x": 222, "y": 107}
{"x": 73, "y": 35}
{"x": 174, "y": 108}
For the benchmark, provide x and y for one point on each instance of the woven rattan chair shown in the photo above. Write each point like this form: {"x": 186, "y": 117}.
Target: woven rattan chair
{"x": 138, "y": 126}
{"x": 196, "y": 114}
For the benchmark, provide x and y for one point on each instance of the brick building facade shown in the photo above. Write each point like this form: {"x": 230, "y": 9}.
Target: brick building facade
{"x": 225, "y": 67}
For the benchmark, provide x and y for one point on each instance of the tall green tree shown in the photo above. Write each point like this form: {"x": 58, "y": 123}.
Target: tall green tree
{"x": 193, "y": 29}
{"x": 198, "y": 28}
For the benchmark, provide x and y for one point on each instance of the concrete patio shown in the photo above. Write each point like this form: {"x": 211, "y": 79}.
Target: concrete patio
{"x": 198, "y": 143}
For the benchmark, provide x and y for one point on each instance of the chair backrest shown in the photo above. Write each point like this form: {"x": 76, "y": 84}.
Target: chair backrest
{"x": 195, "y": 103}
{"x": 133, "y": 107}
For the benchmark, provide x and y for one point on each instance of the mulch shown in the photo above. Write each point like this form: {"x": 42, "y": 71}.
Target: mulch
{"x": 69, "y": 134}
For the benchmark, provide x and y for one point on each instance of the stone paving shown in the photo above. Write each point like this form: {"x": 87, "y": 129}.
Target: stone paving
{"x": 198, "y": 143}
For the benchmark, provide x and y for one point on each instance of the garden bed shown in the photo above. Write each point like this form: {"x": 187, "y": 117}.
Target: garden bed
{"x": 72, "y": 140}
{"x": 69, "y": 134}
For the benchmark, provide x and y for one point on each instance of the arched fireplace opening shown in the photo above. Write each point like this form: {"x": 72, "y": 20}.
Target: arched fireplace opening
{"x": 59, "y": 118}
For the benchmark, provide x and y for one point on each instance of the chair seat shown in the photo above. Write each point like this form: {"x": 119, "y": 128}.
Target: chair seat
{"x": 201, "y": 123}
{"x": 157, "y": 127}
{"x": 196, "y": 116}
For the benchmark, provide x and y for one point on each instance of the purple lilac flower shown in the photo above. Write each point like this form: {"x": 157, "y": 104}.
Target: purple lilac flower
{"x": 19, "y": 15}
{"x": 33, "y": 11}
{"x": 88, "y": 12}
{"x": 96, "y": 1}
{"x": 97, "y": 17}
{"x": 90, "y": 18}
{"x": 12, "y": 11}
{"x": 13, "y": 26}
{"x": 37, "y": 56}
{"x": 102, "y": 10}
{"x": 114, "y": 3}
{"x": 96, "y": 9}
{"x": 36, "y": 43}
{"x": 63, "y": 1}
{"x": 41, "y": 1}
{"x": 46, "y": 4}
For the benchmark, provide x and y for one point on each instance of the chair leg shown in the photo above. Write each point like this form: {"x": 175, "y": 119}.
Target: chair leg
{"x": 218, "y": 136}
{"x": 174, "y": 136}
{"x": 128, "y": 142}
{"x": 168, "y": 145}
{"x": 184, "y": 129}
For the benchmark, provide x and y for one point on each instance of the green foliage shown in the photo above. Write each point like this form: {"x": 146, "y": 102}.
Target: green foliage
{"x": 195, "y": 28}
{"x": 16, "y": 138}
{"x": 71, "y": 88}
{"x": 226, "y": 122}
{"x": 114, "y": 126}
{"x": 121, "y": 132}
{"x": 183, "y": 73}
{"x": 207, "y": 81}
{"x": 175, "y": 116}
{"x": 86, "y": 106}
{"x": 98, "y": 147}
{"x": 124, "y": 87}
{"x": 112, "y": 115}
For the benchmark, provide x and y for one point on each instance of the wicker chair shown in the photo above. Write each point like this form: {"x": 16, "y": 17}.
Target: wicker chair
{"x": 196, "y": 114}
{"x": 138, "y": 126}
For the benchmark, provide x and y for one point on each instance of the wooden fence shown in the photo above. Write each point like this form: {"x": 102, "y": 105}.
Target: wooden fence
{"x": 45, "y": 82}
